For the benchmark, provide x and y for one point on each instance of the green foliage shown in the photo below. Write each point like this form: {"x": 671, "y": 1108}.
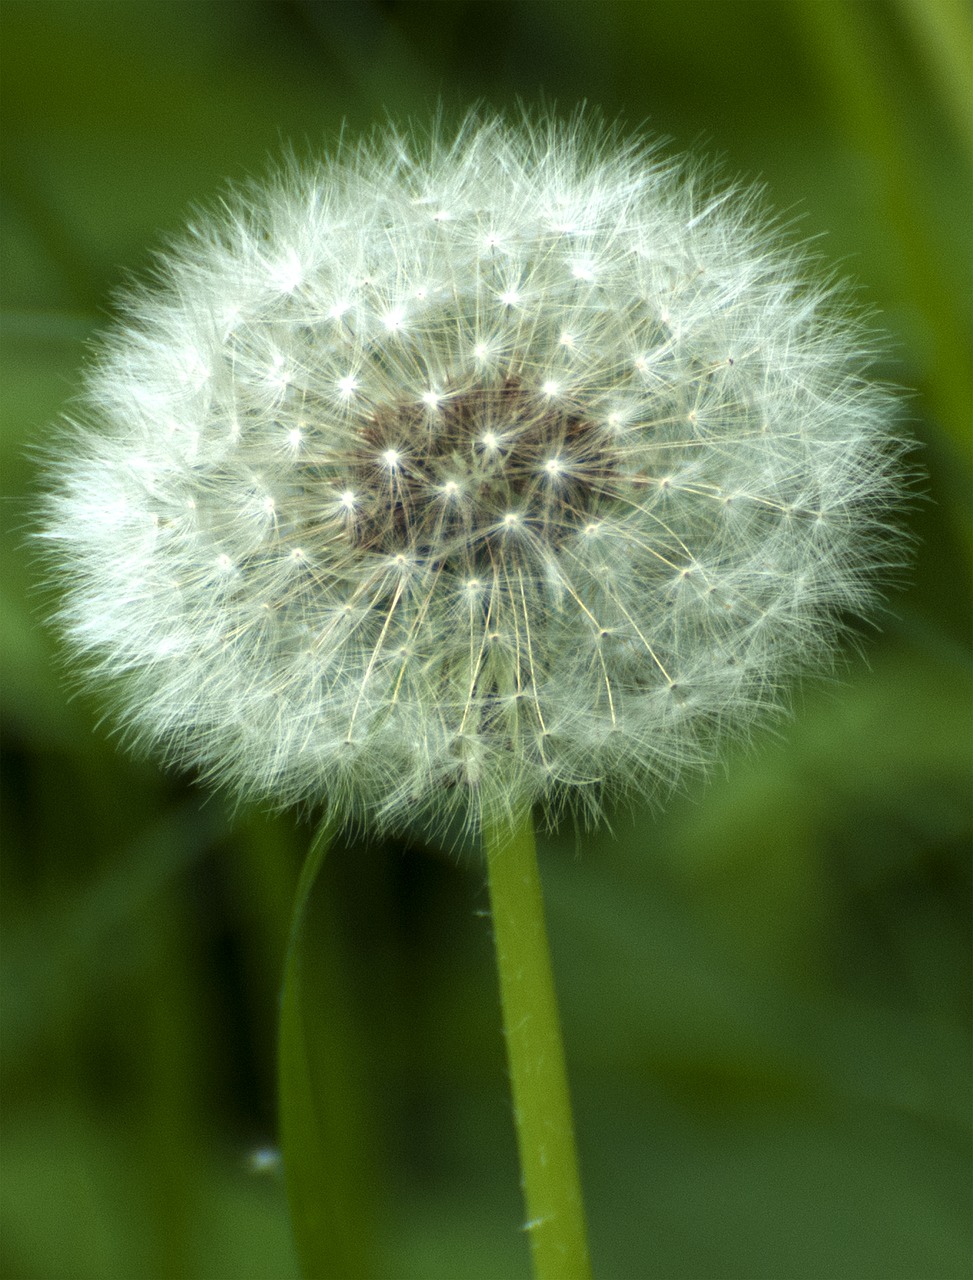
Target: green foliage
{"x": 764, "y": 987}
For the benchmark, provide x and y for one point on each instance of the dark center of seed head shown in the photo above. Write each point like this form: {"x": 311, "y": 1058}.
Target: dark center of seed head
{"x": 449, "y": 483}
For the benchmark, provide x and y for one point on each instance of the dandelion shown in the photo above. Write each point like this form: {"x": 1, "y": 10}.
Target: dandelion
{"x": 450, "y": 475}
{"x": 462, "y": 475}
{"x": 469, "y": 474}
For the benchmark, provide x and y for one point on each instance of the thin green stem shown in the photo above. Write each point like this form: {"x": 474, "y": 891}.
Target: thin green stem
{"x": 542, "y": 1108}
{"x": 318, "y": 1109}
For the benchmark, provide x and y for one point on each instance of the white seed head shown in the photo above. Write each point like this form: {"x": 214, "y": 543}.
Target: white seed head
{"x": 449, "y": 475}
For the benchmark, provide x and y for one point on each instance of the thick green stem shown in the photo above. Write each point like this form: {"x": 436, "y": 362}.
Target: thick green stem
{"x": 542, "y": 1108}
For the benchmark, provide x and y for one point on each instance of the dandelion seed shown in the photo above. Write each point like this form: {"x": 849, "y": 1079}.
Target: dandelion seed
{"x": 263, "y": 1160}
{"x": 394, "y": 561}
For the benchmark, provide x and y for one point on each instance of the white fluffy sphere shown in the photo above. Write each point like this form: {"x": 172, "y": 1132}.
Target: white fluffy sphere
{"x": 451, "y": 474}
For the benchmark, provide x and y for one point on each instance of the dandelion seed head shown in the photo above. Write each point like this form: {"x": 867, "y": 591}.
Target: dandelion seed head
{"x": 452, "y": 474}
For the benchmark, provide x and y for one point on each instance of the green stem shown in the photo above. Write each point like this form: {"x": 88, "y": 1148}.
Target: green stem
{"x": 318, "y": 1109}
{"x": 542, "y": 1108}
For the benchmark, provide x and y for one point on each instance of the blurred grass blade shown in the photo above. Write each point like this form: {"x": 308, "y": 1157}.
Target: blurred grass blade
{"x": 943, "y": 33}
{"x": 317, "y": 1107}
{"x": 849, "y": 44}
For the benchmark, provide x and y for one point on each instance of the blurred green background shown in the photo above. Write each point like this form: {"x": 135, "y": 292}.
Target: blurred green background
{"x": 765, "y": 986}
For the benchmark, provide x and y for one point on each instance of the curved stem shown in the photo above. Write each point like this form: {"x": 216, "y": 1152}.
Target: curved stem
{"x": 319, "y": 1131}
{"x": 542, "y": 1108}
